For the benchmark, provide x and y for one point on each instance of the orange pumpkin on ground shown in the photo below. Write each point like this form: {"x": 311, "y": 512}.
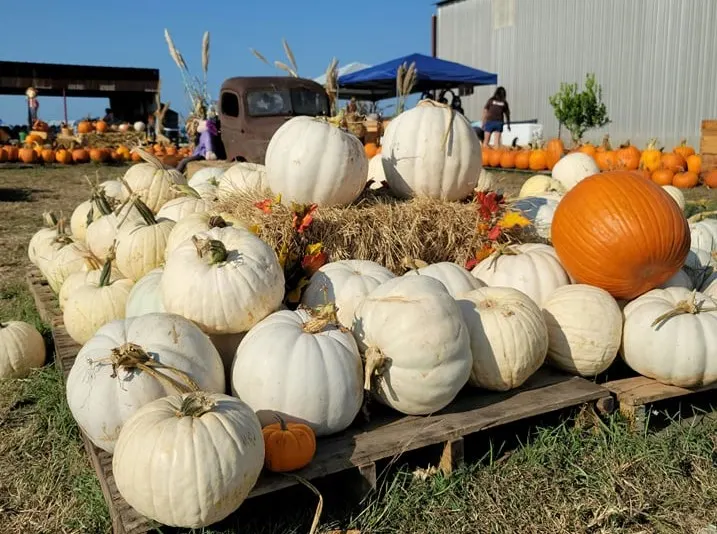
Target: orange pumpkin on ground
{"x": 27, "y": 155}
{"x": 371, "y": 149}
{"x": 674, "y": 162}
{"x": 555, "y": 149}
{"x": 84, "y": 127}
{"x": 710, "y": 179}
{"x": 485, "y": 155}
{"x": 80, "y": 155}
{"x": 101, "y": 126}
{"x": 98, "y": 155}
{"x": 135, "y": 157}
{"x": 171, "y": 150}
{"x": 683, "y": 149}
{"x": 170, "y": 161}
{"x": 63, "y": 156}
{"x": 3, "y": 155}
{"x": 288, "y": 446}
{"x": 494, "y": 157}
{"x": 12, "y": 153}
{"x": 538, "y": 160}
{"x": 507, "y": 158}
{"x": 628, "y": 157}
{"x": 686, "y": 180}
{"x": 650, "y": 158}
{"x": 522, "y": 159}
{"x": 694, "y": 163}
{"x": 600, "y": 234}
{"x": 663, "y": 176}
{"x": 48, "y": 155}
{"x": 605, "y": 156}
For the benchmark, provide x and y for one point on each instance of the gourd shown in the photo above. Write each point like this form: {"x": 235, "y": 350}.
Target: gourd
{"x": 508, "y": 336}
{"x": 154, "y": 183}
{"x": 146, "y": 295}
{"x": 288, "y": 446}
{"x": 141, "y": 242}
{"x": 133, "y": 361}
{"x": 415, "y": 343}
{"x": 217, "y": 451}
{"x": 676, "y": 195}
{"x": 345, "y": 283}
{"x": 651, "y": 157}
{"x": 670, "y": 334}
{"x": 309, "y": 161}
{"x": 431, "y": 151}
{"x": 181, "y": 207}
{"x": 22, "y": 348}
{"x": 302, "y": 366}
{"x": 93, "y": 305}
{"x": 600, "y": 235}
{"x": 584, "y": 329}
{"x": 225, "y": 280}
{"x": 540, "y": 184}
{"x": 574, "y": 168}
{"x": 531, "y": 268}
{"x": 242, "y": 177}
{"x": 455, "y": 278}
{"x": 197, "y": 223}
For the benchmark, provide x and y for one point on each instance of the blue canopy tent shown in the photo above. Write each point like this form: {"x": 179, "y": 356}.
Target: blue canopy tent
{"x": 379, "y": 82}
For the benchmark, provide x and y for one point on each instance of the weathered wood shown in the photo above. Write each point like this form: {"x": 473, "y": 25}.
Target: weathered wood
{"x": 368, "y": 478}
{"x": 453, "y": 455}
{"x": 640, "y": 390}
{"x": 43, "y": 296}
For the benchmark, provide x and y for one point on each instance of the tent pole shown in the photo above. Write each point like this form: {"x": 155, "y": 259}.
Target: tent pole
{"x": 434, "y": 41}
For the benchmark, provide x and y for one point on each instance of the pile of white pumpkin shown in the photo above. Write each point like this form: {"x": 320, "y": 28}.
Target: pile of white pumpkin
{"x": 167, "y": 296}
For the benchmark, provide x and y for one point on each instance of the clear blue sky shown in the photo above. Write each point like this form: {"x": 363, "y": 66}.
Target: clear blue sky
{"x": 130, "y": 34}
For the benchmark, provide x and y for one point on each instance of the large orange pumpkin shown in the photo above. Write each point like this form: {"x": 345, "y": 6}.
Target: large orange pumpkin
{"x": 650, "y": 158}
{"x": 27, "y": 155}
{"x": 601, "y": 234}
{"x": 628, "y": 157}
{"x": 694, "y": 163}
{"x": 663, "y": 176}
{"x": 101, "y": 126}
{"x": 683, "y": 149}
{"x": 686, "y": 180}
{"x": 522, "y": 159}
{"x": 710, "y": 179}
{"x": 63, "y": 156}
{"x": 80, "y": 155}
{"x": 538, "y": 160}
{"x": 84, "y": 127}
{"x": 674, "y": 162}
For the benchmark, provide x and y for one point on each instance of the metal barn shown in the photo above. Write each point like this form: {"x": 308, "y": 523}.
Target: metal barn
{"x": 655, "y": 59}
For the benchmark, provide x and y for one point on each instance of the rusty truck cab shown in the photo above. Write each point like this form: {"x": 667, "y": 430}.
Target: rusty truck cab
{"x": 252, "y": 108}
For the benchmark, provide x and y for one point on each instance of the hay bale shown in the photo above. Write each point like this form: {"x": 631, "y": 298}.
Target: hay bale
{"x": 377, "y": 227}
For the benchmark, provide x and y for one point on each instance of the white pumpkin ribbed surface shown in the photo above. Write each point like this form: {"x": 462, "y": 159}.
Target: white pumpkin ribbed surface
{"x": 196, "y": 223}
{"x": 89, "y": 307}
{"x": 179, "y": 208}
{"x": 146, "y": 295}
{"x": 675, "y": 194}
{"x": 703, "y": 235}
{"x": 22, "y": 348}
{"x": 207, "y": 175}
{"x": 242, "y": 177}
{"x": 455, "y": 278}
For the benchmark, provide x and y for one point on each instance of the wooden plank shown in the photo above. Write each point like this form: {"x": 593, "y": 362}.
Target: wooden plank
{"x": 516, "y": 171}
{"x": 43, "y": 296}
{"x": 640, "y": 390}
{"x": 709, "y": 162}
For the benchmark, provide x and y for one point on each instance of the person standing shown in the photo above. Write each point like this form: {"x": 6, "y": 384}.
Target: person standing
{"x": 32, "y": 105}
{"x": 493, "y": 113}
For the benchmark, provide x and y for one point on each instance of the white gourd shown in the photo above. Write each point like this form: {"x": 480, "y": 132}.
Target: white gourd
{"x": 225, "y": 280}
{"x": 131, "y": 362}
{"x": 531, "y": 268}
{"x": 539, "y": 185}
{"x": 196, "y": 223}
{"x": 416, "y": 345}
{"x": 179, "y": 208}
{"x": 146, "y": 295}
{"x": 676, "y": 195}
{"x": 22, "y": 348}
{"x": 344, "y": 283}
{"x": 242, "y": 177}
{"x": 309, "y": 161}
{"x": 302, "y": 366}
{"x": 455, "y": 278}
{"x": 152, "y": 181}
{"x": 431, "y": 151}
{"x": 670, "y": 335}
{"x": 508, "y": 337}
{"x": 574, "y": 168}
{"x": 217, "y": 453}
{"x": 584, "y": 329}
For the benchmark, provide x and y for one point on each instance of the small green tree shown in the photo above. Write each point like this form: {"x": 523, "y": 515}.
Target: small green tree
{"x": 580, "y": 111}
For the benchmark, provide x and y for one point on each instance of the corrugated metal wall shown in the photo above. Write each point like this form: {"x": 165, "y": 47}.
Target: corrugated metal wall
{"x": 655, "y": 59}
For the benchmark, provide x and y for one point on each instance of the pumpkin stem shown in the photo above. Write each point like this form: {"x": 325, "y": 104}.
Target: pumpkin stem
{"x": 502, "y": 250}
{"x": 413, "y": 264}
{"x": 144, "y": 211}
{"x": 321, "y": 317}
{"x": 131, "y": 356}
{"x": 689, "y": 305}
{"x": 106, "y": 274}
{"x": 281, "y": 421}
{"x": 211, "y": 248}
{"x": 217, "y": 221}
{"x": 196, "y": 404}
{"x": 375, "y": 364}
{"x": 99, "y": 199}
{"x": 49, "y": 219}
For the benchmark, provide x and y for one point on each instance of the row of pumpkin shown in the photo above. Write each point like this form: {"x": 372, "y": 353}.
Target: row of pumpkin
{"x": 37, "y": 153}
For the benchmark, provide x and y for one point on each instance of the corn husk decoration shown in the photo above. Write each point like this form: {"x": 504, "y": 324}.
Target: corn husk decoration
{"x": 406, "y": 78}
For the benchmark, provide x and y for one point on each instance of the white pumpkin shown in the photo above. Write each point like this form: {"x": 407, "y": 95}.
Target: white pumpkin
{"x": 539, "y": 210}
{"x": 196, "y": 223}
{"x": 671, "y": 335}
{"x": 94, "y": 304}
{"x": 344, "y": 283}
{"x": 415, "y": 342}
{"x": 679, "y": 279}
{"x": 573, "y": 168}
{"x": 699, "y": 259}
{"x": 305, "y": 368}
{"x": 508, "y": 336}
{"x": 703, "y": 235}
{"x": 112, "y": 189}
{"x": 22, "y": 348}
{"x": 531, "y": 268}
{"x": 207, "y": 192}
{"x": 376, "y": 174}
{"x": 90, "y": 274}
{"x": 431, "y": 151}
{"x": 146, "y": 295}
{"x": 225, "y": 280}
{"x": 217, "y": 451}
{"x": 309, "y": 161}
{"x": 40, "y": 245}
{"x": 67, "y": 257}
{"x": 179, "y": 208}
{"x": 139, "y": 126}
{"x": 709, "y": 286}
{"x": 78, "y": 221}
{"x": 102, "y": 233}
{"x": 675, "y": 194}
{"x": 153, "y": 182}
{"x": 242, "y": 177}
{"x": 131, "y": 362}
{"x": 124, "y": 127}
{"x": 207, "y": 175}
{"x": 540, "y": 184}
{"x": 141, "y": 243}
{"x": 455, "y": 278}
{"x": 584, "y": 329}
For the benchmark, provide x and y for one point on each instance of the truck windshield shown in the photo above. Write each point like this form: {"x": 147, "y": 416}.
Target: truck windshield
{"x": 269, "y": 102}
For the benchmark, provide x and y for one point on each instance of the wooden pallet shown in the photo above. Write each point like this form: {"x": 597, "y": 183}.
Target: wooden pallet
{"x": 388, "y": 435}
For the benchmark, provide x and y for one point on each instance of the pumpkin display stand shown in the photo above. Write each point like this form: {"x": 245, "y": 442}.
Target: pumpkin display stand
{"x": 364, "y": 444}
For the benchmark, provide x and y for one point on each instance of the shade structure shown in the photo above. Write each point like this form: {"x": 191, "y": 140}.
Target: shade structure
{"x": 379, "y": 82}
{"x": 346, "y": 69}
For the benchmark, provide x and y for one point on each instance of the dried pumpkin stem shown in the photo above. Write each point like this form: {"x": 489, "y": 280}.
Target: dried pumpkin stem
{"x": 217, "y": 221}
{"x": 144, "y": 211}
{"x": 375, "y": 362}
{"x": 49, "y": 219}
{"x": 196, "y": 404}
{"x": 281, "y": 421}
{"x": 211, "y": 249}
{"x": 321, "y": 317}
{"x": 106, "y": 274}
{"x": 689, "y": 305}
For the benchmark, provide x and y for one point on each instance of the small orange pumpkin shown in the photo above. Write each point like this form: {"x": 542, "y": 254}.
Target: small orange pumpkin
{"x": 522, "y": 159}
{"x": 27, "y": 155}
{"x": 169, "y": 160}
{"x": 605, "y": 156}
{"x": 554, "y": 150}
{"x": 694, "y": 163}
{"x": 101, "y": 126}
{"x": 97, "y": 155}
{"x": 685, "y": 180}
{"x": 371, "y": 149}
{"x": 48, "y": 155}
{"x": 485, "y": 154}
{"x": 31, "y": 139}
{"x": 84, "y": 127}
{"x": 683, "y": 149}
{"x": 12, "y": 153}
{"x": 80, "y": 155}
{"x": 588, "y": 148}
{"x": 674, "y": 162}
{"x": 507, "y": 159}
{"x": 63, "y": 156}
{"x": 135, "y": 157}
{"x": 710, "y": 179}
{"x": 288, "y": 446}
{"x": 3, "y": 155}
{"x": 642, "y": 173}
{"x": 171, "y": 150}
{"x": 538, "y": 160}
{"x": 650, "y": 158}
{"x": 663, "y": 176}
{"x": 494, "y": 157}
{"x": 628, "y": 157}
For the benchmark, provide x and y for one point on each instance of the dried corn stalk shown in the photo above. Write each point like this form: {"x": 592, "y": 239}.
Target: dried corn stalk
{"x": 406, "y": 78}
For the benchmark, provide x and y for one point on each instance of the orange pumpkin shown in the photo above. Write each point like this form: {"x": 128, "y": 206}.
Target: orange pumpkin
{"x": 84, "y": 127}
{"x": 171, "y": 150}
{"x": 12, "y": 153}
{"x": 710, "y": 179}
{"x": 554, "y": 150}
{"x": 27, "y": 155}
{"x": 538, "y": 160}
{"x": 507, "y": 159}
{"x": 600, "y": 234}
{"x": 494, "y": 157}
{"x": 371, "y": 149}
{"x": 588, "y": 148}
{"x": 63, "y": 156}
{"x": 628, "y": 157}
{"x": 674, "y": 162}
{"x": 101, "y": 126}
{"x": 650, "y": 158}
{"x": 642, "y": 173}
{"x": 522, "y": 159}
{"x": 686, "y": 180}
{"x": 80, "y": 155}
{"x": 663, "y": 176}
{"x": 97, "y": 155}
{"x": 694, "y": 163}
{"x": 288, "y": 446}
{"x": 683, "y": 149}
{"x": 485, "y": 155}
{"x": 31, "y": 139}
{"x": 48, "y": 155}
{"x": 605, "y": 156}
{"x": 3, "y": 155}
{"x": 378, "y": 151}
